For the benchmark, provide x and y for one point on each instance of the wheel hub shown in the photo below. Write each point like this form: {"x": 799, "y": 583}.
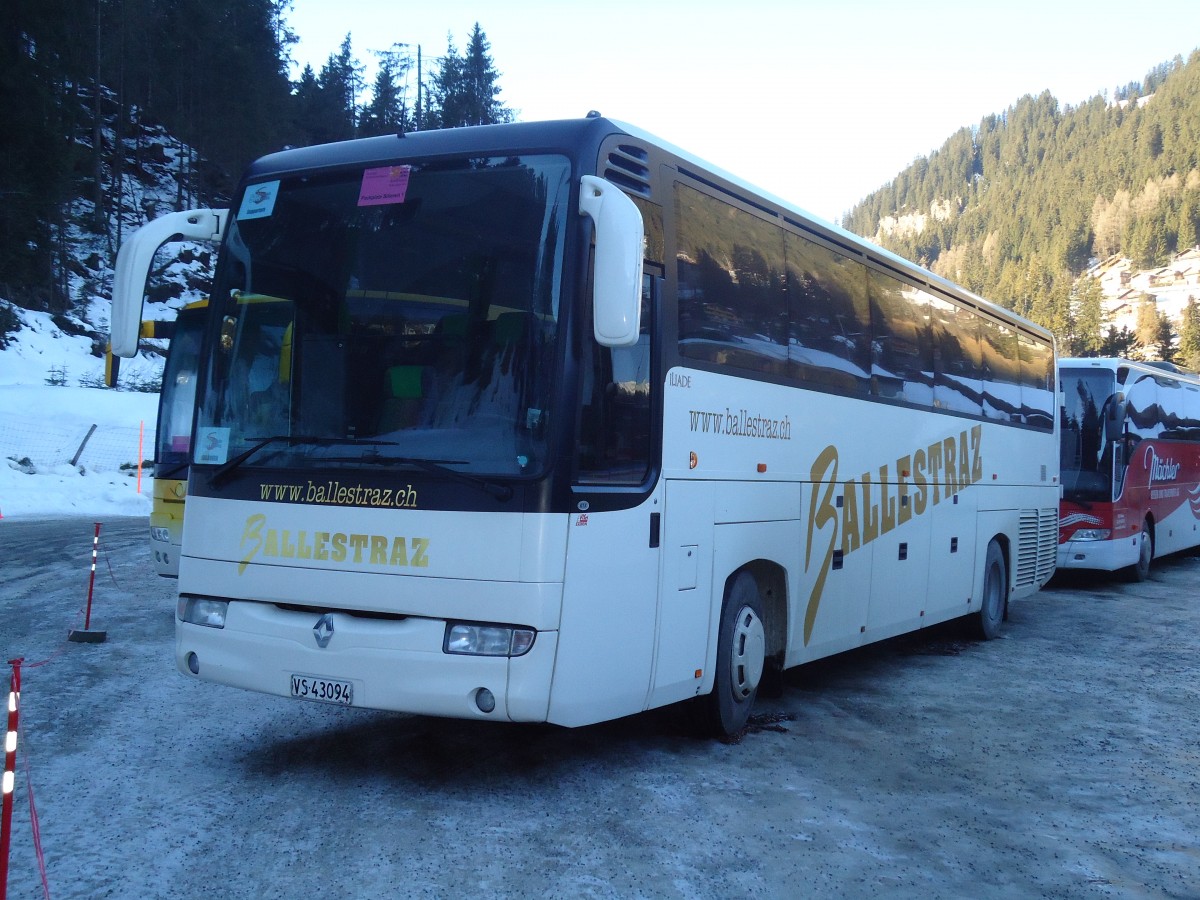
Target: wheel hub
{"x": 749, "y": 653}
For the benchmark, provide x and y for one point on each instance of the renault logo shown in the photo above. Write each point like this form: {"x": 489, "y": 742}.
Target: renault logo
{"x": 323, "y": 630}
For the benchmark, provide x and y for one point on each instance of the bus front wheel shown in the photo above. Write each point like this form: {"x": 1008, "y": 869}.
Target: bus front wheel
{"x": 995, "y": 591}
{"x": 1140, "y": 570}
{"x": 741, "y": 657}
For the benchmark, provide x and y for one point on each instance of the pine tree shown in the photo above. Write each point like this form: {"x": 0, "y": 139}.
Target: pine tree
{"x": 1188, "y": 353}
{"x": 1118, "y": 343}
{"x": 387, "y": 110}
{"x": 306, "y": 106}
{"x": 1187, "y": 232}
{"x": 1164, "y": 345}
{"x": 1146, "y": 328}
{"x": 465, "y": 90}
{"x": 340, "y": 82}
{"x": 39, "y": 73}
{"x": 1088, "y": 336}
{"x": 1147, "y": 244}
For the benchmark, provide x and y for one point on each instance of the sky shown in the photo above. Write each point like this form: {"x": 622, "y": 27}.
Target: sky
{"x": 819, "y": 103}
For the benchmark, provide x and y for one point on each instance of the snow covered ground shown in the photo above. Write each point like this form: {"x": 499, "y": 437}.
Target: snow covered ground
{"x": 43, "y": 426}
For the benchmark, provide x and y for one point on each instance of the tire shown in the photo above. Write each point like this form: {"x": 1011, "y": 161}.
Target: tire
{"x": 741, "y": 658}
{"x": 993, "y": 608}
{"x": 1140, "y": 570}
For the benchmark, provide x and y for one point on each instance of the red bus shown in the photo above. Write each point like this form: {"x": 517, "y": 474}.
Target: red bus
{"x": 1130, "y": 464}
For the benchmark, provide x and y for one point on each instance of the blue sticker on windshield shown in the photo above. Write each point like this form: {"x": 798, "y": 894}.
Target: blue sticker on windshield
{"x": 259, "y": 201}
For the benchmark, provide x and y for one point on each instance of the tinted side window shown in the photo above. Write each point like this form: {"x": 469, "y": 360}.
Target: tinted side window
{"x": 732, "y": 305}
{"x": 652, "y": 224}
{"x": 615, "y": 414}
{"x": 1037, "y": 383}
{"x": 1002, "y": 371}
{"x": 958, "y": 361}
{"x": 902, "y": 343}
{"x": 1190, "y": 430}
{"x": 1171, "y": 403}
{"x": 1142, "y": 410}
{"x": 829, "y": 343}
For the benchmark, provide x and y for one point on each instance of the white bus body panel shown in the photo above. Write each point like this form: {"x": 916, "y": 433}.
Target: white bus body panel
{"x": 391, "y": 664}
{"x": 685, "y": 594}
{"x": 835, "y": 485}
{"x": 606, "y": 642}
{"x": 1106, "y": 556}
{"x": 1178, "y": 530}
{"x": 502, "y": 568}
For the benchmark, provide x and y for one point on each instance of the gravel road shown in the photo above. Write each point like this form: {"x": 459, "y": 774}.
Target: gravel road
{"x": 1062, "y": 760}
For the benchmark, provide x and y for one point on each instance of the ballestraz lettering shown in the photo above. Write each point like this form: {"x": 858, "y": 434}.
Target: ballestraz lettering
{"x": 337, "y": 494}
{"x": 935, "y": 473}
{"x": 370, "y": 549}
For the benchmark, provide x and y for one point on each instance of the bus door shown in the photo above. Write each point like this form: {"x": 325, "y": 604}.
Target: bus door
{"x": 606, "y": 633}
{"x": 685, "y": 597}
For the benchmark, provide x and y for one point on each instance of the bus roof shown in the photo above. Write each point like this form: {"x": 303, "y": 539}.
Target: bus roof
{"x": 527, "y": 137}
{"x": 1113, "y": 364}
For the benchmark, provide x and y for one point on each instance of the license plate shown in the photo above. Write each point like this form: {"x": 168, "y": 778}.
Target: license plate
{"x": 325, "y": 690}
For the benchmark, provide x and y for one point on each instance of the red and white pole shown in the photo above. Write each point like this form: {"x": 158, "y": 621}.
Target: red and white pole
{"x": 87, "y": 619}
{"x": 10, "y": 772}
{"x": 87, "y": 636}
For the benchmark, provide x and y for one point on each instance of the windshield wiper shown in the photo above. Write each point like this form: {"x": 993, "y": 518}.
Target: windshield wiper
{"x": 501, "y": 492}
{"x": 173, "y": 471}
{"x": 217, "y": 478}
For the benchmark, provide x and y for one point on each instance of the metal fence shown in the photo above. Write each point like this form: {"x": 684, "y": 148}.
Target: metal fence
{"x": 98, "y": 448}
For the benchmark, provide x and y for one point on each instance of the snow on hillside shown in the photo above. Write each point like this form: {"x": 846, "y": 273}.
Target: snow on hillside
{"x": 1170, "y": 287}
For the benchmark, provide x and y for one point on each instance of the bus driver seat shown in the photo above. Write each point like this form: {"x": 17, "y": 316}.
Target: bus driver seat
{"x": 404, "y": 394}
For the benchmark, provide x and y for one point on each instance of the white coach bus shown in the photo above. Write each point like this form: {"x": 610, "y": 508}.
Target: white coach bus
{"x": 552, "y": 422}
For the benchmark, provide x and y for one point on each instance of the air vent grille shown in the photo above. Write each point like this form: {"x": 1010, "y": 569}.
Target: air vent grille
{"x": 628, "y": 169}
{"x": 1037, "y": 547}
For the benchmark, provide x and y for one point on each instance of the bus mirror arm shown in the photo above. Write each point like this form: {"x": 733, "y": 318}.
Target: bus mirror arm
{"x": 133, "y": 265}
{"x": 617, "y": 279}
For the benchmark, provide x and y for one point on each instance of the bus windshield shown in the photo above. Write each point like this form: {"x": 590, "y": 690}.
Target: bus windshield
{"x": 390, "y": 314}
{"x": 1089, "y": 427}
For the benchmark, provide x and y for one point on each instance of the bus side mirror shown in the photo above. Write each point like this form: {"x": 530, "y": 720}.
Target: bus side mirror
{"x": 1116, "y": 409}
{"x": 133, "y": 265}
{"x": 1114, "y": 416}
{"x": 617, "y": 279}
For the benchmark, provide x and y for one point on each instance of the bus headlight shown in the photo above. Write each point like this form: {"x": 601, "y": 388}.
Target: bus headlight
{"x": 202, "y": 611}
{"x": 1092, "y": 534}
{"x": 158, "y": 533}
{"x": 487, "y": 640}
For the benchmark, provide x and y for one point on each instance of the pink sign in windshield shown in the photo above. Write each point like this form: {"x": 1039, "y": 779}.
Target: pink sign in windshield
{"x": 388, "y": 184}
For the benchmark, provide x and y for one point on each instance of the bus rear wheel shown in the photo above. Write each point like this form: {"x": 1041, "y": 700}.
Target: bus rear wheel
{"x": 1140, "y": 570}
{"x": 741, "y": 657}
{"x": 993, "y": 604}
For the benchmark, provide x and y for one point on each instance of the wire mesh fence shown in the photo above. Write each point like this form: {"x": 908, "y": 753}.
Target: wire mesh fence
{"x": 32, "y": 441}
